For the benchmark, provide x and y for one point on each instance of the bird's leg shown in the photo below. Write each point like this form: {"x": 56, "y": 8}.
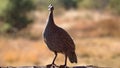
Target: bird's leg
{"x": 64, "y": 66}
{"x": 65, "y": 60}
{"x": 53, "y": 64}
{"x": 54, "y": 58}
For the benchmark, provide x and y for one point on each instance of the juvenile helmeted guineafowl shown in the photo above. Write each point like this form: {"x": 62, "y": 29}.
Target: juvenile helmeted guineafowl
{"x": 58, "y": 40}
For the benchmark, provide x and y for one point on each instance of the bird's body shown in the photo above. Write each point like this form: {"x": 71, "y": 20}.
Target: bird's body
{"x": 58, "y": 40}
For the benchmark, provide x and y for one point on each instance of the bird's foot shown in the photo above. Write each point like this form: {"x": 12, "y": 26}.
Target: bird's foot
{"x": 51, "y": 65}
{"x": 63, "y": 66}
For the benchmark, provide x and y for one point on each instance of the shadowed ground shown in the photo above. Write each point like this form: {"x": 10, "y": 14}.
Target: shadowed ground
{"x": 55, "y": 67}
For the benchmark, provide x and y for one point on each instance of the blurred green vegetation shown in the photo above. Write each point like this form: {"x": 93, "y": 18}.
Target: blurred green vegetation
{"x": 3, "y": 6}
{"x": 13, "y": 13}
{"x": 93, "y": 4}
{"x": 16, "y": 14}
{"x": 115, "y": 6}
{"x": 70, "y": 3}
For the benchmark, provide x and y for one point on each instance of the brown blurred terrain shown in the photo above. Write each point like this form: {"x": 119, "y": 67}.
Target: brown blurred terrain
{"x": 96, "y": 35}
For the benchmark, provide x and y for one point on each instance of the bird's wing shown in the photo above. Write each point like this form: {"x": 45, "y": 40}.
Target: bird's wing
{"x": 65, "y": 38}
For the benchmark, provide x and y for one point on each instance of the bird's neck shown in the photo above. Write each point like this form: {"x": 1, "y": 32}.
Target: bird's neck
{"x": 51, "y": 19}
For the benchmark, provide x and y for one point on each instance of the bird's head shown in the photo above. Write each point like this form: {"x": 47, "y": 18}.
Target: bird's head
{"x": 50, "y": 7}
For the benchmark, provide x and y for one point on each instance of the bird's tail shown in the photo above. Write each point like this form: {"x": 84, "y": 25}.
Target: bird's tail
{"x": 72, "y": 57}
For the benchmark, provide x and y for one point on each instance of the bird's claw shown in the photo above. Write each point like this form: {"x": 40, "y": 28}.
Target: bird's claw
{"x": 51, "y": 66}
{"x": 63, "y": 66}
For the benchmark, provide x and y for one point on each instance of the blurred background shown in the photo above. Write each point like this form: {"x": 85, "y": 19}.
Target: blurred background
{"x": 93, "y": 24}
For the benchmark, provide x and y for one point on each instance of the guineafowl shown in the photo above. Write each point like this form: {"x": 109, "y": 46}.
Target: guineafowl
{"x": 58, "y": 40}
